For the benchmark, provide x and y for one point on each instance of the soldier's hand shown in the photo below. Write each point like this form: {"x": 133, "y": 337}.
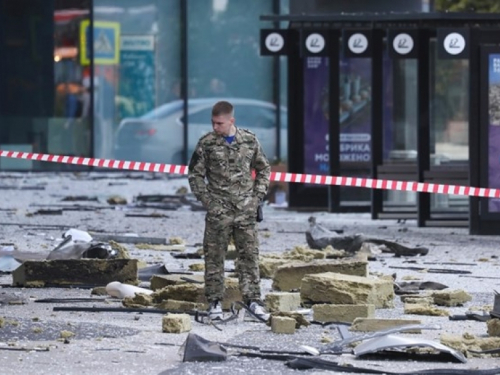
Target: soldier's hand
{"x": 205, "y": 200}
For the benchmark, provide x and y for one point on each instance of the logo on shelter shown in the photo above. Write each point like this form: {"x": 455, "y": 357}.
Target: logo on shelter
{"x": 315, "y": 43}
{"x": 358, "y": 43}
{"x": 274, "y": 42}
{"x": 403, "y": 44}
{"x": 454, "y": 43}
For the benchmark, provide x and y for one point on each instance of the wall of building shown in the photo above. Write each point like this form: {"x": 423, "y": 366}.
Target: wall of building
{"x": 337, "y": 6}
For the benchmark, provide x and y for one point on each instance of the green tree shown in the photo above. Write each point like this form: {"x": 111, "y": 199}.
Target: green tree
{"x": 468, "y": 5}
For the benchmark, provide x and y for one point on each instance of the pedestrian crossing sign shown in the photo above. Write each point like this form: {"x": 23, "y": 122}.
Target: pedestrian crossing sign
{"x": 106, "y": 43}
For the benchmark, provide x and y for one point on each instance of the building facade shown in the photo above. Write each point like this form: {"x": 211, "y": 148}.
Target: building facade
{"x": 132, "y": 79}
{"x": 136, "y": 79}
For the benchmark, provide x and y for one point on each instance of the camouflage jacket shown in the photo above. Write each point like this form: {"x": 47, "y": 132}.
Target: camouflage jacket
{"x": 228, "y": 168}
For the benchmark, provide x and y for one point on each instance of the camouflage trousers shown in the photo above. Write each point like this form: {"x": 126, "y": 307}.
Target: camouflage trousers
{"x": 223, "y": 222}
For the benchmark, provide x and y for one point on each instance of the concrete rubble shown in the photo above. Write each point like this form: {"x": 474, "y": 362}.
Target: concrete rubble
{"x": 353, "y": 282}
{"x": 337, "y": 288}
{"x": 176, "y": 323}
{"x": 289, "y": 276}
{"x": 281, "y": 324}
{"x": 342, "y": 313}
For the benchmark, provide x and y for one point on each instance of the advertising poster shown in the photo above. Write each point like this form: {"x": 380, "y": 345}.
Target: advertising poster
{"x": 494, "y": 129}
{"x": 388, "y": 100}
{"x": 137, "y": 75}
{"x": 355, "y": 110}
{"x": 316, "y": 116}
{"x": 354, "y": 113}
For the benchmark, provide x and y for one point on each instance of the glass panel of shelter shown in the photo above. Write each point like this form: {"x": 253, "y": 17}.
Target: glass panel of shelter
{"x": 449, "y": 137}
{"x": 448, "y": 133}
{"x": 449, "y": 130}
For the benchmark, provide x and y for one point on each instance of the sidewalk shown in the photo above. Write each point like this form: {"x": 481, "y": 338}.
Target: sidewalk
{"x": 133, "y": 343}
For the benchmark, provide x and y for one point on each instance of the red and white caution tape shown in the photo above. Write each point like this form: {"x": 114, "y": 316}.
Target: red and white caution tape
{"x": 275, "y": 176}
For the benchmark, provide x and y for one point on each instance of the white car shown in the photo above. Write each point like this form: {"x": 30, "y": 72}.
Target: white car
{"x": 157, "y": 136}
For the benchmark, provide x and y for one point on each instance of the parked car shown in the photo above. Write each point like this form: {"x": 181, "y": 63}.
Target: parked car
{"x": 157, "y": 136}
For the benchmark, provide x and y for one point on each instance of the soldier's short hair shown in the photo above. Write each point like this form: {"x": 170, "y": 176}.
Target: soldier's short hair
{"x": 222, "y": 108}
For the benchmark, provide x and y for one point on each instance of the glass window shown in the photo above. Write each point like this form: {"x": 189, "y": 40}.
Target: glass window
{"x": 400, "y": 110}
{"x": 224, "y": 59}
{"x": 449, "y": 126}
{"x": 43, "y": 101}
{"x": 69, "y": 129}
{"x": 136, "y": 72}
{"x": 283, "y": 61}
{"x": 449, "y": 109}
{"x": 400, "y": 127}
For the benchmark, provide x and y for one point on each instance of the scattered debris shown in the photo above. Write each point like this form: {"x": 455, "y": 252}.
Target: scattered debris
{"x": 493, "y": 326}
{"x": 289, "y": 276}
{"x": 138, "y": 300}
{"x": 25, "y": 349}
{"x": 99, "y": 291}
{"x": 298, "y": 318}
{"x": 432, "y": 270}
{"x": 174, "y": 305}
{"x": 130, "y": 239}
{"x": 342, "y": 313}
{"x": 146, "y": 273}
{"x": 94, "y": 272}
{"x": 8, "y": 264}
{"x": 11, "y": 299}
{"x": 149, "y": 246}
{"x": 120, "y": 290}
{"x": 46, "y": 212}
{"x": 176, "y": 323}
{"x": 282, "y": 301}
{"x": 424, "y": 309}
{"x": 403, "y": 287}
{"x": 90, "y": 250}
{"x": 161, "y": 281}
{"x": 74, "y": 198}
{"x": 30, "y": 225}
{"x": 158, "y": 201}
{"x": 484, "y": 317}
{"x": 470, "y": 345}
{"x": 282, "y": 324}
{"x": 318, "y": 237}
{"x": 496, "y": 306}
{"x": 385, "y": 342}
{"x": 10, "y": 187}
{"x": 154, "y": 215}
{"x": 374, "y": 324}
{"x": 197, "y": 267}
{"x": 330, "y": 287}
{"x": 451, "y": 298}
{"x": 339, "y": 345}
{"x": 67, "y": 334}
{"x": 116, "y": 200}
{"x": 69, "y": 300}
{"x": 195, "y": 293}
{"x": 198, "y": 349}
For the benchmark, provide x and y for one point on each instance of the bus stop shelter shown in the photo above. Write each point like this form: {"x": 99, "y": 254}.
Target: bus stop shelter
{"x": 396, "y": 96}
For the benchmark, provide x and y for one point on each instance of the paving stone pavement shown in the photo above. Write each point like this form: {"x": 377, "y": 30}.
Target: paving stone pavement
{"x": 133, "y": 343}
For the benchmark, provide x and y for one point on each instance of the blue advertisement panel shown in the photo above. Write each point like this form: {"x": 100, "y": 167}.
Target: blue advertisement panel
{"x": 494, "y": 129}
{"x": 355, "y": 110}
{"x": 354, "y": 113}
{"x": 316, "y": 115}
{"x": 137, "y": 75}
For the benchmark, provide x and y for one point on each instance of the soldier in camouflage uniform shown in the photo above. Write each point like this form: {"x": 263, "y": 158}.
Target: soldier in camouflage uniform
{"x": 220, "y": 176}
